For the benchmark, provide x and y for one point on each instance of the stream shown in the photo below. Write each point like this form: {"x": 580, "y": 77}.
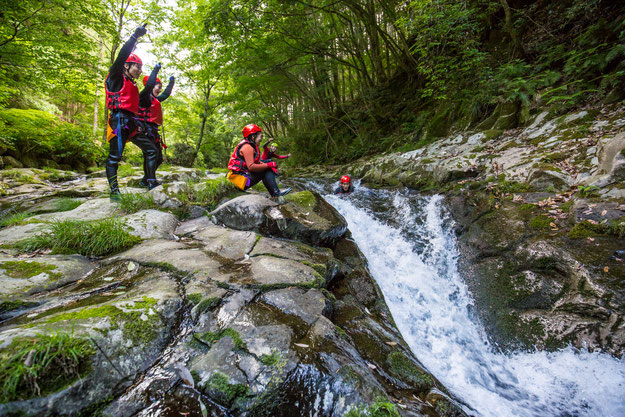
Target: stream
{"x": 410, "y": 247}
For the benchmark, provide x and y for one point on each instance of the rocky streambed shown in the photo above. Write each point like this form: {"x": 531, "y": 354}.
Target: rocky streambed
{"x": 539, "y": 212}
{"x": 154, "y": 306}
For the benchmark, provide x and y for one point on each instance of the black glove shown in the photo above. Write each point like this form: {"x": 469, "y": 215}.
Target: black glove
{"x": 157, "y": 67}
{"x": 172, "y": 79}
{"x": 140, "y": 31}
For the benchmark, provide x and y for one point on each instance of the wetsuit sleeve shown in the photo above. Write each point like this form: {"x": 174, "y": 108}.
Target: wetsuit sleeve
{"x": 115, "y": 79}
{"x": 280, "y": 156}
{"x": 338, "y": 190}
{"x": 144, "y": 97}
{"x": 167, "y": 92}
{"x": 248, "y": 154}
{"x": 265, "y": 154}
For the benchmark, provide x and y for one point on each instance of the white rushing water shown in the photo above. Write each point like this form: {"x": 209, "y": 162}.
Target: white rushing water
{"x": 412, "y": 254}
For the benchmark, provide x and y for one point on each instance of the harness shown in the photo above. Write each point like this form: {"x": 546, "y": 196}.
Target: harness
{"x": 127, "y": 98}
{"x": 237, "y": 162}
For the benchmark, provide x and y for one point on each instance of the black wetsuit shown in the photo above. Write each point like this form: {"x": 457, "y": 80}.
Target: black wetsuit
{"x": 146, "y": 133}
{"x": 340, "y": 190}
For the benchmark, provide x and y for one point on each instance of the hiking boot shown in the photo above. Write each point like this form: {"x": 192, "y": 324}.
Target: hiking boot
{"x": 143, "y": 183}
{"x": 115, "y": 195}
{"x": 284, "y": 192}
{"x": 152, "y": 184}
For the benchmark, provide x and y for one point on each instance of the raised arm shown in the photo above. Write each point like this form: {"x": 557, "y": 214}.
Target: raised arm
{"x": 167, "y": 92}
{"x": 144, "y": 96}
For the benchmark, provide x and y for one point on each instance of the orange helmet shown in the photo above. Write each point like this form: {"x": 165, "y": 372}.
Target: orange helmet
{"x": 345, "y": 178}
{"x": 134, "y": 59}
{"x": 249, "y": 129}
{"x": 145, "y": 80}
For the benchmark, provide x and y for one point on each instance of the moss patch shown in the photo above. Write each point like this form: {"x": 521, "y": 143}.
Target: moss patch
{"x": 209, "y": 338}
{"x": 540, "y": 222}
{"x": 10, "y": 305}
{"x": 380, "y": 408}
{"x": 220, "y": 388}
{"x": 207, "y": 304}
{"x": 25, "y": 269}
{"x": 404, "y": 368}
{"x": 304, "y": 199}
{"x": 194, "y": 298}
{"x": 137, "y": 325}
{"x": 42, "y": 365}
{"x": 271, "y": 360}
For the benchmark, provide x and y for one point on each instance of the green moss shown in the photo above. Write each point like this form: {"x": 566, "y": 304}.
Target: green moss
{"x": 304, "y": 199}
{"x": 380, "y": 408}
{"x": 41, "y": 365}
{"x": 194, "y": 298}
{"x": 26, "y": 269}
{"x": 404, "y": 368}
{"x": 207, "y": 304}
{"x": 340, "y": 331}
{"x": 540, "y": 222}
{"x": 586, "y": 229}
{"x": 320, "y": 268}
{"x": 163, "y": 266}
{"x": 526, "y": 211}
{"x": 209, "y": 338}
{"x": 271, "y": 360}
{"x": 137, "y": 324}
{"x": 566, "y": 207}
{"x": 513, "y": 187}
{"x": 223, "y": 391}
{"x": 89, "y": 238}
{"x": 10, "y": 305}
{"x": 66, "y": 204}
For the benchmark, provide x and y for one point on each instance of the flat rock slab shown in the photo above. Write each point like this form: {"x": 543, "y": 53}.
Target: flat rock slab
{"x": 231, "y": 244}
{"x": 151, "y": 224}
{"x": 307, "y": 305}
{"x": 192, "y": 226}
{"x": 177, "y": 255}
{"x": 243, "y": 213}
{"x": 268, "y": 270}
{"x": 291, "y": 250}
{"x": 97, "y": 209}
{"x": 22, "y": 276}
{"x": 14, "y": 234}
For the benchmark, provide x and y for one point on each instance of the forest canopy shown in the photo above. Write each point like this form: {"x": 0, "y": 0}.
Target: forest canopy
{"x": 331, "y": 80}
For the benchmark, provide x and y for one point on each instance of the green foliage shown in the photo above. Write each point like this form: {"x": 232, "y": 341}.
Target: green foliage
{"x": 134, "y": 202}
{"x": 97, "y": 238}
{"x": 588, "y": 191}
{"x": 41, "y": 135}
{"x": 13, "y": 219}
{"x": 183, "y": 154}
{"x": 224, "y": 392}
{"x": 208, "y": 193}
{"x": 41, "y": 365}
{"x": 271, "y": 360}
{"x": 380, "y": 408}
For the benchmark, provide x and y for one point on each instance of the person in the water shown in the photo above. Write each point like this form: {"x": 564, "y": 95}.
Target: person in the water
{"x": 345, "y": 187}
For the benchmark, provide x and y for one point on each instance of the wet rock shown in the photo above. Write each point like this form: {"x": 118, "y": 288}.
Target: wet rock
{"x": 306, "y": 305}
{"x": 14, "y": 234}
{"x": 227, "y": 243}
{"x": 194, "y": 225}
{"x": 151, "y": 224}
{"x": 268, "y": 271}
{"x": 96, "y": 209}
{"x": 243, "y": 213}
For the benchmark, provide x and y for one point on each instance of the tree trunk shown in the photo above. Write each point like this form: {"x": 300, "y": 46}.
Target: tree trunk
{"x": 204, "y": 117}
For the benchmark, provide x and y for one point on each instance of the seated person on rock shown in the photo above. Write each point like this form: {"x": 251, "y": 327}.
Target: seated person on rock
{"x": 346, "y": 186}
{"x": 269, "y": 152}
{"x": 245, "y": 168}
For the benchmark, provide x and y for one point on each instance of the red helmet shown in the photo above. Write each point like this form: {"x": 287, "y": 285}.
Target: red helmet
{"x": 145, "y": 80}
{"x": 249, "y": 129}
{"x": 134, "y": 59}
{"x": 345, "y": 178}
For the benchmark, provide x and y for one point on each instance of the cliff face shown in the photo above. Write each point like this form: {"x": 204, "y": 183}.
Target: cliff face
{"x": 259, "y": 308}
{"x": 540, "y": 219}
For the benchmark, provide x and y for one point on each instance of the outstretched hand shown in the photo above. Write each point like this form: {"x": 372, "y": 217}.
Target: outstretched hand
{"x": 140, "y": 31}
{"x": 172, "y": 79}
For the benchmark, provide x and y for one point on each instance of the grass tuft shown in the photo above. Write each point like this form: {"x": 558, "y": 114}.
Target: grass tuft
{"x": 42, "y": 365}
{"x": 13, "y": 219}
{"x": 132, "y": 203}
{"x": 102, "y": 237}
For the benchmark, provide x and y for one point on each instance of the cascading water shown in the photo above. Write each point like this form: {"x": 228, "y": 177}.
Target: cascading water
{"x": 411, "y": 251}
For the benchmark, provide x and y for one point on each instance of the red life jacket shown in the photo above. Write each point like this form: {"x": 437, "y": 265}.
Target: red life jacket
{"x": 237, "y": 162}
{"x": 152, "y": 114}
{"x": 127, "y": 98}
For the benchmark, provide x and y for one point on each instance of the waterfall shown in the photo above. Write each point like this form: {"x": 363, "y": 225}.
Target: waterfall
{"x": 411, "y": 250}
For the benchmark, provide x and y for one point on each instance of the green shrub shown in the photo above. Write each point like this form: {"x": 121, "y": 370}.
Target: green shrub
{"x": 182, "y": 154}
{"x": 43, "y": 135}
{"x": 587, "y": 192}
{"x": 42, "y": 365}
{"x": 98, "y": 238}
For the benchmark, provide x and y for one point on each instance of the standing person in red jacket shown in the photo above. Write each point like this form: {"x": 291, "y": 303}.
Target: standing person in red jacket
{"x": 269, "y": 152}
{"x": 245, "y": 168}
{"x": 122, "y": 99}
{"x": 149, "y": 120}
